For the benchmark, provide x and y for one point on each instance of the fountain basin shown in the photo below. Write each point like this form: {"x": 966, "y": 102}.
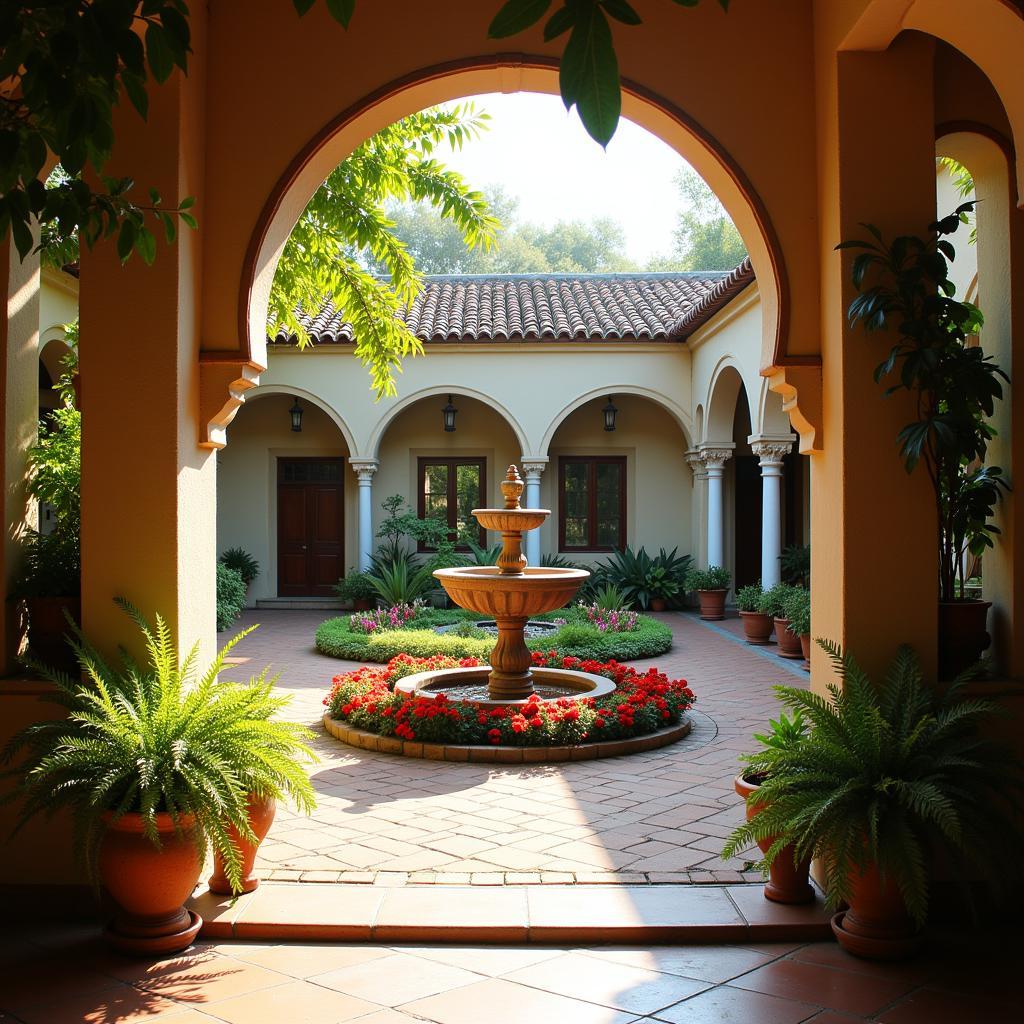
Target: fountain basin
{"x": 470, "y": 685}
{"x": 536, "y": 591}
{"x": 508, "y": 520}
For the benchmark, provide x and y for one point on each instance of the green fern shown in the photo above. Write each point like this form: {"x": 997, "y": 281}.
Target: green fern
{"x": 888, "y": 776}
{"x": 162, "y": 738}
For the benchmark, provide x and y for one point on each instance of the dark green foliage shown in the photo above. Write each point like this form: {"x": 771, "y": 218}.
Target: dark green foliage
{"x": 160, "y": 738}
{"x": 355, "y": 586}
{"x": 714, "y": 577}
{"x": 610, "y": 599}
{"x": 399, "y": 583}
{"x": 796, "y": 607}
{"x": 230, "y": 596}
{"x": 483, "y": 556}
{"x": 889, "y": 775}
{"x": 242, "y": 562}
{"x": 748, "y": 598}
{"x": 639, "y": 576}
{"x": 795, "y": 565}
{"x": 773, "y": 600}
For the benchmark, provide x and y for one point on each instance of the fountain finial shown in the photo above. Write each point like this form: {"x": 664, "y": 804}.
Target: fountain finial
{"x": 512, "y": 487}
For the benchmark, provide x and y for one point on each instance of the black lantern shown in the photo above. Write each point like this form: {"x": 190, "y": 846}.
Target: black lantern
{"x": 296, "y": 414}
{"x": 449, "y": 412}
{"x": 610, "y": 412}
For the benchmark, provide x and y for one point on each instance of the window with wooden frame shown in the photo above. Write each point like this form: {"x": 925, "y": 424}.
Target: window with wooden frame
{"x": 591, "y": 503}
{"x": 450, "y": 489}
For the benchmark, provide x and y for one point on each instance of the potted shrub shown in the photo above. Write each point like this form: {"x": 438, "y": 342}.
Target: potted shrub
{"x": 888, "y": 778}
{"x": 757, "y": 626}
{"x": 711, "y": 585}
{"x": 662, "y": 587}
{"x": 955, "y": 387}
{"x": 355, "y": 589}
{"x": 156, "y": 764}
{"x": 788, "y": 880}
{"x": 798, "y": 611}
{"x": 773, "y": 603}
{"x": 243, "y": 563}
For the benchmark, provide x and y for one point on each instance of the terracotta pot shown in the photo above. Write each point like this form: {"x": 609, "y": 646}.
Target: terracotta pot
{"x": 362, "y": 604}
{"x": 757, "y": 628}
{"x": 150, "y": 884}
{"x": 261, "y": 817}
{"x": 48, "y": 628}
{"x": 658, "y": 604}
{"x": 876, "y": 926}
{"x": 712, "y": 604}
{"x": 787, "y": 882}
{"x": 789, "y": 645}
{"x": 805, "y": 646}
{"x": 962, "y": 635}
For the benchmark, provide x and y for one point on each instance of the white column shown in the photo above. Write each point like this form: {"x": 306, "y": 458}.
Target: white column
{"x": 532, "y": 468}
{"x": 771, "y": 452}
{"x": 364, "y": 470}
{"x": 698, "y": 529}
{"x": 714, "y": 459}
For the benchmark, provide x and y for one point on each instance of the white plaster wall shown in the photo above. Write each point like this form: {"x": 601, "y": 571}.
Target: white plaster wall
{"x": 247, "y": 480}
{"x": 58, "y": 304}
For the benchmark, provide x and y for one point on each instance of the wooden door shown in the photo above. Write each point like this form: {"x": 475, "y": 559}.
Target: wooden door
{"x": 310, "y": 526}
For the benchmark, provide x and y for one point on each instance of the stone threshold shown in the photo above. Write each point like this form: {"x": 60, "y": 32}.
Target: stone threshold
{"x": 662, "y": 914}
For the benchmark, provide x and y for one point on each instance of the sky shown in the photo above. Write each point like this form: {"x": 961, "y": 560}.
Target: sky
{"x": 540, "y": 154}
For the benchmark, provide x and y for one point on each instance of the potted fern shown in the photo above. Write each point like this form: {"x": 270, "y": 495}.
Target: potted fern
{"x": 156, "y": 764}
{"x": 788, "y": 880}
{"x": 889, "y": 778}
{"x": 711, "y": 585}
{"x": 757, "y": 627}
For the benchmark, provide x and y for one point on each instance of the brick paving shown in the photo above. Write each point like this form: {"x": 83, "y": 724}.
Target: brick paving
{"x": 656, "y": 817}
{"x": 62, "y": 974}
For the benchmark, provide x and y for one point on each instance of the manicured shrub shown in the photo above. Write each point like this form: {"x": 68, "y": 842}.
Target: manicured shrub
{"x": 230, "y": 596}
{"x": 714, "y": 577}
{"x": 641, "y": 704}
{"x": 748, "y": 598}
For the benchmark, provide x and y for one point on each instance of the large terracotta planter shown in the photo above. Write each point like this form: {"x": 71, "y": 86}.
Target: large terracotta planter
{"x": 789, "y": 645}
{"x": 876, "y": 926}
{"x": 261, "y": 817}
{"x": 362, "y": 604}
{"x": 757, "y": 628}
{"x": 48, "y": 629}
{"x": 805, "y": 646}
{"x": 712, "y": 604}
{"x": 658, "y": 604}
{"x": 962, "y": 635}
{"x": 150, "y": 884}
{"x": 787, "y": 882}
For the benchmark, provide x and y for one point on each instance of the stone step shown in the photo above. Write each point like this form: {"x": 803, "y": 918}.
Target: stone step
{"x": 298, "y": 603}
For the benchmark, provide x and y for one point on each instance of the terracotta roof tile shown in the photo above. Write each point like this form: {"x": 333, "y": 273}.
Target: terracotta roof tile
{"x": 556, "y": 307}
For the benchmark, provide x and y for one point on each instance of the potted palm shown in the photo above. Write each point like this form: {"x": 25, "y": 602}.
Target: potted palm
{"x": 711, "y": 585}
{"x": 757, "y": 626}
{"x": 788, "y": 880}
{"x": 156, "y": 764}
{"x": 798, "y": 612}
{"x": 243, "y": 563}
{"x": 955, "y": 386}
{"x": 888, "y": 778}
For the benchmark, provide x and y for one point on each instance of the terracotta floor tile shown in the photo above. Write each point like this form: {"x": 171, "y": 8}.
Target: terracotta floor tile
{"x": 727, "y": 1005}
{"x": 409, "y": 914}
{"x": 389, "y": 1017}
{"x": 395, "y": 979}
{"x": 496, "y": 1001}
{"x": 303, "y": 960}
{"x": 296, "y": 1002}
{"x": 828, "y": 987}
{"x": 124, "y": 1004}
{"x": 210, "y": 979}
{"x": 611, "y": 984}
{"x": 489, "y": 960}
{"x": 933, "y": 1006}
{"x": 714, "y": 964}
{"x": 759, "y": 911}
{"x": 313, "y": 912}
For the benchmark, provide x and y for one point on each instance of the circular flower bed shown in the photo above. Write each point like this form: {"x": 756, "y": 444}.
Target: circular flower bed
{"x": 642, "y": 704}
{"x": 343, "y": 638}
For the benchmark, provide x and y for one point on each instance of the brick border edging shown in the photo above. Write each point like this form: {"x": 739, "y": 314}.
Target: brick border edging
{"x": 503, "y": 755}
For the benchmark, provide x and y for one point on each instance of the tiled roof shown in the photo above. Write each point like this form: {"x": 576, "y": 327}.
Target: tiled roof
{"x": 714, "y": 299}
{"x": 550, "y": 307}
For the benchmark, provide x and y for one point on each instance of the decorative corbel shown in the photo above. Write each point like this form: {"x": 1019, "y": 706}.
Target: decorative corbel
{"x": 223, "y": 382}
{"x": 801, "y": 389}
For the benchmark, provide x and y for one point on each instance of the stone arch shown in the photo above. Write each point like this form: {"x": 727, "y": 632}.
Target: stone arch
{"x": 267, "y": 390}
{"x": 723, "y": 393}
{"x": 771, "y": 419}
{"x": 381, "y": 427}
{"x": 502, "y": 73}
{"x": 51, "y": 353}
{"x": 673, "y": 408}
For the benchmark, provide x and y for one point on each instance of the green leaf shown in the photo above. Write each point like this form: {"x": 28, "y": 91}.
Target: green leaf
{"x": 341, "y": 11}
{"x": 589, "y": 75}
{"x": 620, "y": 10}
{"x": 189, "y": 220}
{"x": 135, "y": 88}
{"x": 187, "y": 203}
{"x": 561, "y": 21}
{"x": 145, "y": 245}
{"x": 516, "y": 15}
{"x": 126, "y": 240}
{"x": 159, "y": 52}
{"x": 303, "y": 6}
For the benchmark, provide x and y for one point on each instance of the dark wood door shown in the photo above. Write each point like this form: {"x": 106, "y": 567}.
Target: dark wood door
{"x": 310, "y": 526}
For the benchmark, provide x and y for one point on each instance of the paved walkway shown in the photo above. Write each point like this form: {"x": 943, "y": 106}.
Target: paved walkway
{"x": 64, "y": 975}
{"x": 658, "y": 817}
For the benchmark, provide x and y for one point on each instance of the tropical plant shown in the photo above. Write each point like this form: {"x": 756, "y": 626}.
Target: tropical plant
{"x": 748, "y": 598}
{"x": 550, "y": 561}
{"x": 659, "y": 584}
{"x": 795, "y": 564}
{"x": 481, "y": 555}
{"x": 242, "y": 562}
{"x": 972, "y": 507}
{"x": 398, "y": 583}
{"x": 954, "y": 385}
{"x": 402, "y": 527}
{"x": 888, "y": 775}
{"x": 159, "y": 738}
{"x": 610, "y": 599}
{"x": 783, "y": 736}
{"x": 773, "y": 600}
{"x": 627, "y": 570}
{"x": 714, "y": 577}
{"x": 797, "y": 608}
{"x": 355, "y": 586}
{"x": 230, "y": 596}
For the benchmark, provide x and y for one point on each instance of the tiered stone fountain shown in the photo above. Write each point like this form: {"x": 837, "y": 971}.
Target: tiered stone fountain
{"x": 509, "y": 592}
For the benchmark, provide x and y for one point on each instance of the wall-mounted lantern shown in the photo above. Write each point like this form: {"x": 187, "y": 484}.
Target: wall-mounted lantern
{"x": 610, "y": 412}
{"x": 449, "y": 412}
{"x": 296, "y": 414}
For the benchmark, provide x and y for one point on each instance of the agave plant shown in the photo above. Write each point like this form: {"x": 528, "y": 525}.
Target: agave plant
{"x": 886, "y": 776}
{"x": 159, "y": 739}
{"x": 482, "y": 555}
{"x": 399, "y": 582}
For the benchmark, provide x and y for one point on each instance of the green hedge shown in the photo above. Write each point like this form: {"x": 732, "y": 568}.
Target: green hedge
{"x": 334, "y": 638}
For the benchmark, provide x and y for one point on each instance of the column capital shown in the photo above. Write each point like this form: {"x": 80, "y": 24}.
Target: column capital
{"x": 694, "y": 461}
{"x": 771, "y": 450}
{"x": 364, "y": 468}
{"x": 533, "y": 465}
{"x": 715, "y": 454}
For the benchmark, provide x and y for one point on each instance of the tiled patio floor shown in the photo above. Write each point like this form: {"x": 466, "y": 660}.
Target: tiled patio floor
{"x": 64, "y": 975}
{"x": 658, "y": 817}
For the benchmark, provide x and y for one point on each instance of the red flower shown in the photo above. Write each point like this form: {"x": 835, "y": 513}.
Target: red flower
{"x": 494, "y": 735}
